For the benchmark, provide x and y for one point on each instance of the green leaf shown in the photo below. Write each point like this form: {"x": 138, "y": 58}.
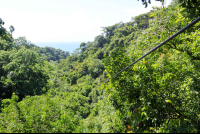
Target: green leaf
{"x": 168, "y": 101}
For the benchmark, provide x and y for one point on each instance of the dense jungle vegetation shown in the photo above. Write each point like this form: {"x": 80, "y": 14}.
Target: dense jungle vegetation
{"x": 49, "y": 90}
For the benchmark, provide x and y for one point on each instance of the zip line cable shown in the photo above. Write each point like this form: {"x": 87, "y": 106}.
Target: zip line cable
{"x": 163, "y": 43}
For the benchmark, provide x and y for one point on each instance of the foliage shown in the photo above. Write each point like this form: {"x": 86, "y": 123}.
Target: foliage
{"x": 5, "y": 36}
{"x": 22, "y": 72}
{"x": 48, "y": 53}
{"x": 192, "y": 7}
{"x": 38, "y": 114}
{"x": 163, "y": 88}
{"x": 12, "y": 29}
{"x": 48, "y": 90}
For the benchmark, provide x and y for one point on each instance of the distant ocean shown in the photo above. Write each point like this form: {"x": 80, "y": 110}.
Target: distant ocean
{"x": 65, "y": 46}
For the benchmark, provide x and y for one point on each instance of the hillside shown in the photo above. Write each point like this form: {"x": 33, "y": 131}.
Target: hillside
{"x": 49, "y": 90}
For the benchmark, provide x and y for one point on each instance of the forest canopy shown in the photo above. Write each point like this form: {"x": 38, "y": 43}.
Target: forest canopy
{"x": 47, "y": 90}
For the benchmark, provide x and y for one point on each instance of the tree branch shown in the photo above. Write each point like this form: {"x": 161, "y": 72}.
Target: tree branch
{"x": 181, "y": 114}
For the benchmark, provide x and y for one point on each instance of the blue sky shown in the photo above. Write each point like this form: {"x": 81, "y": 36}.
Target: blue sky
{"x": 67, "y": 20}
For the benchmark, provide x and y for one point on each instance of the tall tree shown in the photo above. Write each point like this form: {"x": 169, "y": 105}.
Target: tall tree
{"x": 21, "y": 71}
{"x": 2, "y": 29}
{"x": 12, "y": 29}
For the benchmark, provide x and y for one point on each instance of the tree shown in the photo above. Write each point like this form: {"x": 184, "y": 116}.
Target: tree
{"x": 109, "y": 31}
{"x": 163, "y": 88}
{"x": 22, "y": 72}
{"x": 192, "y": 7}
{"x": 6, "y": 42}
{"x": 83, "y": 45}
{"x": 99, "y": 41}
{"x": 22, "y": 41}
{"x": 96, "y": 69}
{"x": 145, "y": 2}
{"x": 2, "y": 29}
{"x": 12, "y": 29}
{"x": 3, "y": 33}
{"x": 142, "y": 20}
{"x": 6, "y": 45}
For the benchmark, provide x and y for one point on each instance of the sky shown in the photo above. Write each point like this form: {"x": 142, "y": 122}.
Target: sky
{"x": 67, "y": 20}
